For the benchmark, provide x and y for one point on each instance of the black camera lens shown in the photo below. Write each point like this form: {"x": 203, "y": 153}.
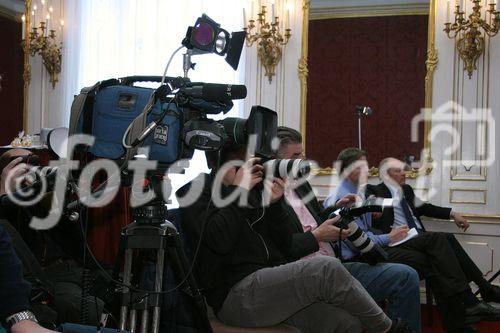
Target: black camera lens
{"x": 294, "y": 168}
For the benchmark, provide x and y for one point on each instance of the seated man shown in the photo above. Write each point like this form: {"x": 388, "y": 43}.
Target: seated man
{"x": 243, "y": 260}
{"x": 430, "y": 254}
{"x": 396, "y": 283}
{"x": 407, "y": 213}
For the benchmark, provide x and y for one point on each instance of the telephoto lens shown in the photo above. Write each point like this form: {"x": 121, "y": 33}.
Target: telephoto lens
{"x": 288, "y": 168}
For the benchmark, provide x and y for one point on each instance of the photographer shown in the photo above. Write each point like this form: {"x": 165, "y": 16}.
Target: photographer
{"x": 14, "y": 290}
{"x": 244, "y": 262}
{"x": 50, "y": 258}
{"x": 396, "y": 283}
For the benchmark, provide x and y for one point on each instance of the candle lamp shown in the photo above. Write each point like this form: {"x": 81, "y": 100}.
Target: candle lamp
{"x": 469, "y": 33}
{"x": 268, "y": 36}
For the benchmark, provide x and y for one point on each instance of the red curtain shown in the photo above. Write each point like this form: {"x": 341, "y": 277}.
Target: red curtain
{"x": 106, "y": 224}
{"x": 12, "y": 83}
{"x": 374, "y": 61}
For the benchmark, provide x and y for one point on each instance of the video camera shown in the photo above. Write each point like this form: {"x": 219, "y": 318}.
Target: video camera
{"x": 371, "y": 251}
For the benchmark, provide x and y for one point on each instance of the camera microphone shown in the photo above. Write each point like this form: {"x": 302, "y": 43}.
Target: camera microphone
{"x": 214, "y": 91}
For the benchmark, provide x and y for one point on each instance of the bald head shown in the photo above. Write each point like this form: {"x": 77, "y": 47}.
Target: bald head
{"x": 393, "y": 170}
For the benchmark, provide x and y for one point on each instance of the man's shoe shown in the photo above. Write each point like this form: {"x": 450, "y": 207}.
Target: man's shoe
{"x": 484, "y": 311}
{"x": 466, "y": 329}
{"x": 400, "y": 326}
{"x": 470, "y": 329}
{"x": 492, "y": 294}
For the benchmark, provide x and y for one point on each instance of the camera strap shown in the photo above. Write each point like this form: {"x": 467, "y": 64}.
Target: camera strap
{"x": 84, "y": 103}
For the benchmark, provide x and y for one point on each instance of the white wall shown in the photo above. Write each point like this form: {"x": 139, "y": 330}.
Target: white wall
{"x": 469, "y": 187}
{"x": 44, "y": 104}
{"x": 283, "y": 93}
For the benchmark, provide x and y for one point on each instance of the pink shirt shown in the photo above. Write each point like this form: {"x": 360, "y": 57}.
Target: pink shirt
{"x": 307, "y": 220}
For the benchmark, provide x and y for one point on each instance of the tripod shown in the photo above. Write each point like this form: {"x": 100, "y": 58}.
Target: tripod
{"x": 151, "y": 230}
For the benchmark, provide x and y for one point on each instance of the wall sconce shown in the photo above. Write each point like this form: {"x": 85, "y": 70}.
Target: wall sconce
{"x": 471, "y": 31}
{"x": 42, "y": 39}
{"x": 268, "y": 36}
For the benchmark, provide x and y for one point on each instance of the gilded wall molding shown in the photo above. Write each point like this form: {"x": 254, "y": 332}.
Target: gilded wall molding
{"x": 475, "y": 96}
{"x": 368, "y": 11}
{"x": 303, "y": 71}
{"x": 431, "y": 64}
{"x": 27, "y": 67}
{"x": 455, "y": 190}
{"x": 490, "y": 250}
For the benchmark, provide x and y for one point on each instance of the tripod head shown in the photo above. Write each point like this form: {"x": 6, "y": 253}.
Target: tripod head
{"x": 154, "y": 212}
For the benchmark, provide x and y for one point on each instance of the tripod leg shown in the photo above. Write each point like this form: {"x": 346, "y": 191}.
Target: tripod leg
{"x": 133, "y": 320}
{"x": 180, "y": 265}
{"x": 126, "y": 280}
{"x": 160, "y": 260}
{"x": 145, "y": 318}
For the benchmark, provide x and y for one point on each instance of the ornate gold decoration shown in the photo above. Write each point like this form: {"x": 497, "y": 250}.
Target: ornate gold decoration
{"x": 431, "y": 64}
{"x": 369, "y": 11}
{"x": 373, "y": 172}
{"x": 27, "y": 66}
{"x": 303, "y": 70}
{"x": 471, "y": 32}
{"x": 269, "y": 39}
{"x": 42, "y": 41}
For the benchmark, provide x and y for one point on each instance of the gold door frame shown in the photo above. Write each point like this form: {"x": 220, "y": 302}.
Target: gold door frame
{"x": 27, "y": 66}
{"x": 431, "y": 63}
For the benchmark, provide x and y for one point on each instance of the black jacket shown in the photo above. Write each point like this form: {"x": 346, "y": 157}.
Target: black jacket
{"x": 385, "y": 222}
{"x": 304, "y": 243}
{"x": 231, "y": 248}
{"x": 14, "y": 290}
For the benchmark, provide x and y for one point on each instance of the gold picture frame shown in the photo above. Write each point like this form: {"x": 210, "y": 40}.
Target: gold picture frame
{"x": 431, "y": 64}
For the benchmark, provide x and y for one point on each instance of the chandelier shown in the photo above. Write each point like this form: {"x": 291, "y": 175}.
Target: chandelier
{"x": 268, "y": 35}
{"x": 39, "y": 36}
{"x": 469, "y": 32}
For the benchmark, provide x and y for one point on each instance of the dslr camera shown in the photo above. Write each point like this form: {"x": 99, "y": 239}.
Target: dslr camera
{"x": 369, "y": 250}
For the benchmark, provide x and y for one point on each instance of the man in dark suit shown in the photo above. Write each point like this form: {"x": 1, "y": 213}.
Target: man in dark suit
{"x": 313, "y": 233}
{"x": 438, "y": 257}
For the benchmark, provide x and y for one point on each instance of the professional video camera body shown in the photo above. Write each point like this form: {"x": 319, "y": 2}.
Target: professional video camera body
{"x": 369, "y": 250}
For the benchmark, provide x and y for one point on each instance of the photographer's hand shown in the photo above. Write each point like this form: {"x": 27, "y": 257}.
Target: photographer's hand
{"x": 275, "y": 187}
{"x": 249, "y": 174}
{"x": 10, "y": 173}
{"x": 348, "y": 200}
{"x": 27, "y": 326}
{"x": 398, "y": 234}
{"x": 328, "y": 232}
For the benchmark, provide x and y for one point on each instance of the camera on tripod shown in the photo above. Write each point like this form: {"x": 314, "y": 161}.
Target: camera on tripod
{"x": 371, "y": 251}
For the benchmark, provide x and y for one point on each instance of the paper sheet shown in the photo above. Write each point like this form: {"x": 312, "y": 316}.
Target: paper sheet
{"x": 412, "y": 233}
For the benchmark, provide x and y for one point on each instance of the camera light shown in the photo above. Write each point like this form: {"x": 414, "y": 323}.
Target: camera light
{"x": 203, "y": 33}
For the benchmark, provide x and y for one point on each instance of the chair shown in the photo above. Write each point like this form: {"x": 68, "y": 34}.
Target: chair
{"x": 429, "y": 301}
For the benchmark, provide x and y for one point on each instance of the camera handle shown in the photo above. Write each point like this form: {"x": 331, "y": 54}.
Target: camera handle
{"x": 186, "y": 62}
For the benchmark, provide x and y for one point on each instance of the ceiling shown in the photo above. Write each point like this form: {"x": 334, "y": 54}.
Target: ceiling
{"x": 11, "y": 8}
